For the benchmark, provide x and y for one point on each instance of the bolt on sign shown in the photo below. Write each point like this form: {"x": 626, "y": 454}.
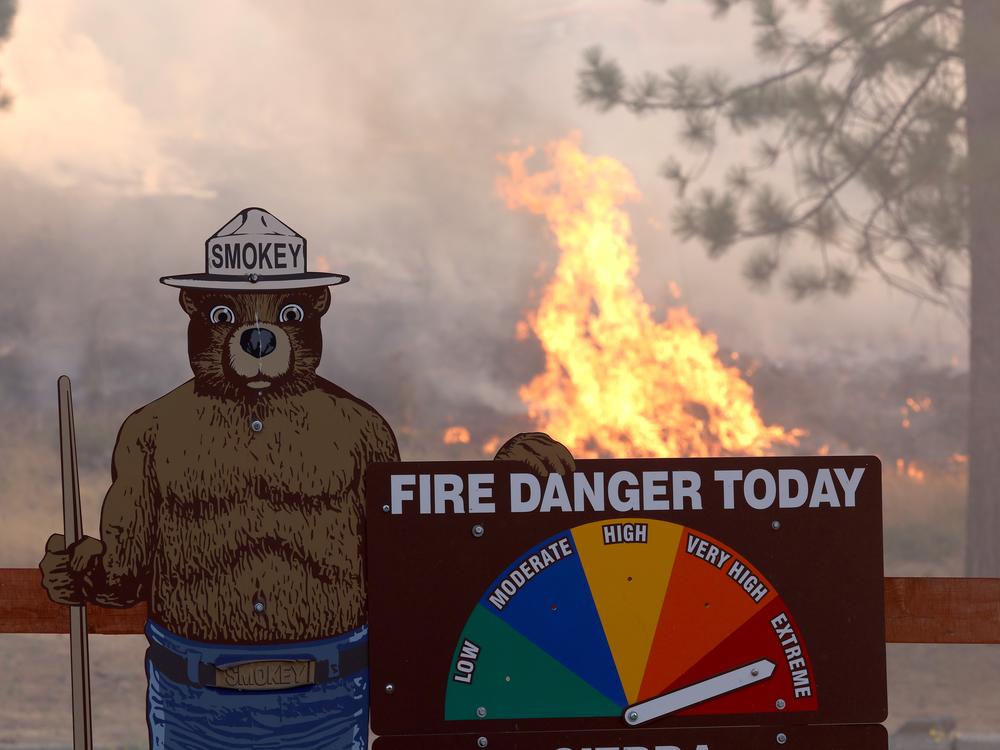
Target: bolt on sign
{"x": 628, "y": 602}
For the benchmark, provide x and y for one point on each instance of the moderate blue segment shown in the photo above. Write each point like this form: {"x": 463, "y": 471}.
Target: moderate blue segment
{"x": 555, "y": 610}
{"x": 330, "y": 716}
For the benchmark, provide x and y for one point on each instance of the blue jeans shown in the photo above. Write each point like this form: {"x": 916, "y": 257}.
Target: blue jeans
{"x": 329, "y": 716}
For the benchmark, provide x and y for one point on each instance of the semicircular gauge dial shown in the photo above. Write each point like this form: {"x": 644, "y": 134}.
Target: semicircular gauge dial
{"x": 636, "y": 618}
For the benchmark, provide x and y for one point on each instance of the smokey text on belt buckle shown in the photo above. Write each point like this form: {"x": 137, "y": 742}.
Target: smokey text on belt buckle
{"x": 278, "y": 674}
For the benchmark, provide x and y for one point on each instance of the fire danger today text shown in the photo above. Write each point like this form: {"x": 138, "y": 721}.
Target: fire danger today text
{"x": 625, "y": 491}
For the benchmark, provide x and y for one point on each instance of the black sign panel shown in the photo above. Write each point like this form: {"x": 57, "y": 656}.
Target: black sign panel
{"x": 854, "y": 737}
{"x": 630, "y": 594}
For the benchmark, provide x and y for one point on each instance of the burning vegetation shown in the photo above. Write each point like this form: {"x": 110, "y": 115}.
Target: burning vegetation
{"x": 456, "y": 434}
{"x": 617, "y": 381}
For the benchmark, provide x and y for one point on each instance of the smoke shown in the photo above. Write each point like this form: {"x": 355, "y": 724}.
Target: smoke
{"x": 7, "y": 10}
{"x": 372, "y": 129}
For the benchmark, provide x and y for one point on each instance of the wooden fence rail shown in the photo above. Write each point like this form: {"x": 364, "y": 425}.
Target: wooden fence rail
{"x": 26, "y": 608}
{"x": 917, "y": 610}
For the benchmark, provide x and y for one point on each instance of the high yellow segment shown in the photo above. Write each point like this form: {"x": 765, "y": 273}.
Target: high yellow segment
{"x": 628, "y": 578}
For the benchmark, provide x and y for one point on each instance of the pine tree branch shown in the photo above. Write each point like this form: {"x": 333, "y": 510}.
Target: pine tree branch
{"x": 873, "y": 261}
{"x": 871, "y": 104}
{"x": 858, "y": 78}
{"x": 836, "y": 186}
{"x": 823, "y": 58}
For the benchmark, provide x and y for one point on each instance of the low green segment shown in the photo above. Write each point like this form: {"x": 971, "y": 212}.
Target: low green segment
{"x": 513, "y": 678}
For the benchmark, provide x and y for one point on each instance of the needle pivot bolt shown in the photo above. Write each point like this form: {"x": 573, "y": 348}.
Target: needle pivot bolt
{"x": 481, "y": 712}
{"x": 482, "y": 742}
{"x": 780, "y": 704}
{"x": 782, "y": 738}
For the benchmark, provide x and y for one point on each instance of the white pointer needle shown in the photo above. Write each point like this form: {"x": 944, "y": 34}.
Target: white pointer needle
{"x": 713, "y": 687}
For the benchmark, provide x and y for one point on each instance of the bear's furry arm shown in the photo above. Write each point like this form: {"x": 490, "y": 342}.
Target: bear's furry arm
{"x": 383, "y": 443}
{"x": 378, "y": 443}
{"x": 127, "y": 518}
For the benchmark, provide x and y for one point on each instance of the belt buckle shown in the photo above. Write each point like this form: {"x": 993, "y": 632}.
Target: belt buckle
{"x": 271, "y": 674}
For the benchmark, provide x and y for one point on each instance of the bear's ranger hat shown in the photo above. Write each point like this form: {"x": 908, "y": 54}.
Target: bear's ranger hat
{"x": 255, "y": 251}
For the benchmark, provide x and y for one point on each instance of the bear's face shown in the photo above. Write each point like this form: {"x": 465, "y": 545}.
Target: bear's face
{"x": 246, "y": 343}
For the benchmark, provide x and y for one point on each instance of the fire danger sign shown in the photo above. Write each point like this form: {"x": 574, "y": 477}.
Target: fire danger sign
{"x": 630, "y": 595}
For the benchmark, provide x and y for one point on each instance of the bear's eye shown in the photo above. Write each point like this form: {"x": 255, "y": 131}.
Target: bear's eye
{"x": 222, "y": 314}
{"x": 291, "y": 314}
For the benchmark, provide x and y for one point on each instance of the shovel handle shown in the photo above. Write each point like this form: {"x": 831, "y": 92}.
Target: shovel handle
{"x": 73, "y": 531}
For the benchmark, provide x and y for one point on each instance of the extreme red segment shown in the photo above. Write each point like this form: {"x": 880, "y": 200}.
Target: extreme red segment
{"x": 713, "y": 591}
{"x": 771, "y": 634}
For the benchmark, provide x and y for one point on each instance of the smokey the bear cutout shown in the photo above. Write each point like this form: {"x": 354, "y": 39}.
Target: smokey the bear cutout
{"x": 236, "y": 511}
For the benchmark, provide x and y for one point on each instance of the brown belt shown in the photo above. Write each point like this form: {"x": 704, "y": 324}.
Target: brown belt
{"x": 266, "y": 674}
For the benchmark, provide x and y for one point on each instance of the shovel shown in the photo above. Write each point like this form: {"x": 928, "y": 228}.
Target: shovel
{"x": 73, "y": 530}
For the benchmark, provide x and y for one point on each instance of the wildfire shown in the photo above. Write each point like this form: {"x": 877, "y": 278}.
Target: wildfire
{"x": 490, "y": 446}
{"x": 914, "y": 406}
{"x": 617, "y": 381}
{"x": 910, "y": 469}
{"x": 456, "y": 434}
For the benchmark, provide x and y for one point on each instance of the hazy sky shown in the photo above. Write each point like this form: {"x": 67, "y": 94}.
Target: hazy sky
{"x": 372, "y": 128}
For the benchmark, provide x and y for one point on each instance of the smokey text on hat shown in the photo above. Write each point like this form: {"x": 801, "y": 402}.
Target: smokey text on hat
{"x": 247, "y": 256}
{"x": 255, "y": 242}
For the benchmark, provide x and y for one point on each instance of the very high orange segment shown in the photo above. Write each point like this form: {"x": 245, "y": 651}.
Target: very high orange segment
{"x": 706, "y": 601}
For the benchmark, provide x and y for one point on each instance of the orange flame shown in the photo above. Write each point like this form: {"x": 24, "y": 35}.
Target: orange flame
{"x": 456, "y": 434}
{"x": 914, "y": 406}
{"x": 910, "y": 469}
{"x": 491, "y": 445}
{"x": 919, "y": 405}
{"x": 616, "y": 381}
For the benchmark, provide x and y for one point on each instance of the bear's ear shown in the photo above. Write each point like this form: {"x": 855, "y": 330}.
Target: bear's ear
{"x": 321, "y": 301}
{"x": 187, "y": 303}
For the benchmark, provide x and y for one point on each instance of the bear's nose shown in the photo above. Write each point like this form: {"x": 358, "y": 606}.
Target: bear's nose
{"x": 258, "y": 342}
